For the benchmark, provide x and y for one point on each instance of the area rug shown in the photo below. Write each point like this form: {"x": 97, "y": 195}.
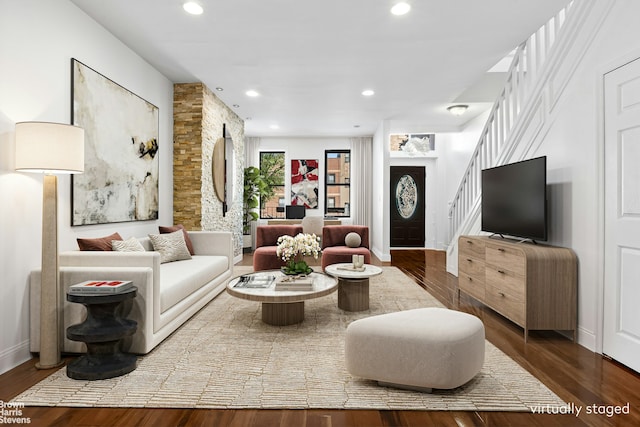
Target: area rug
{"x": 226, "y": 357}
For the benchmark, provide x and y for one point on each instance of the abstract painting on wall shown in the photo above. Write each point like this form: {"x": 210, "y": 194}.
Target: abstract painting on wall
{"x": 304, "y": 183}
{"x": 412, "y": 145}
{"x": 120, "y": 181}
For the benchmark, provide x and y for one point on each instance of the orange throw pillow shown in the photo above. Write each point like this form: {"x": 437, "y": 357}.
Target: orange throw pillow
{"x": 98, "y": 243}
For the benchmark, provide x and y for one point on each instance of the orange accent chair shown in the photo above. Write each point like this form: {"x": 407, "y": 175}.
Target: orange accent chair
{"x": 334, "y": 248}
{"x": 264, "y": 257}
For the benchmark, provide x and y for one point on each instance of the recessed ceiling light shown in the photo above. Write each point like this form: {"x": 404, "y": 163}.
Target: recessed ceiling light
{"x": 236, "y": 106}
{"x": 193, "y": 8}
{"x": 401, "y": 8}
{"x": 252, "y": 93}
{"x": 457, "y": 110}
{"x": 356, "y": 126}
{"x": 219, "y": 89}
{"x": 367, "y": 92}
{"x": 274, "y": 127}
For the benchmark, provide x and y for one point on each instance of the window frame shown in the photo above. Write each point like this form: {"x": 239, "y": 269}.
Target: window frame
{"x": 336, "y": 184}
{"x": 277, "y": 215}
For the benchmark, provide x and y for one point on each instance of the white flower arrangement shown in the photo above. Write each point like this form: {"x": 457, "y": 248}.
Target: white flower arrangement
{"x": 303, "y": 244}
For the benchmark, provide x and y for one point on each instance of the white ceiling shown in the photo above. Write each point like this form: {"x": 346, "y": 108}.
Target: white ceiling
{"x": 310, "y": 60}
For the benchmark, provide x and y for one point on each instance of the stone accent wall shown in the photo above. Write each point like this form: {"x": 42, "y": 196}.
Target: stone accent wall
{"x": 199, "y": 116}
{"x": 187, "y": 155}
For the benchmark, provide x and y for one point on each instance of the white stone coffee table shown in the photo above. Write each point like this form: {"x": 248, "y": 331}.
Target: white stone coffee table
{"x": 353, "y": 285}
{"x": 282, "y": 308}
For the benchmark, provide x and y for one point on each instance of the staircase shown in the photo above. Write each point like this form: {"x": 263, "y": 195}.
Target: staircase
{"x": 517, "y": 116}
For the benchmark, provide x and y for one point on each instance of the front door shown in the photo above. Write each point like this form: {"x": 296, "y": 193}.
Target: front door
{"x": 621, "y": 338}
{"x": 406, "y": 205}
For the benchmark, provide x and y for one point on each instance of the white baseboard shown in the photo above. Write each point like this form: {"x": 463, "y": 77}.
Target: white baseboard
{"x": 381, "y": 256}
{"x": 587, "y": 339}
{"x": 14, "y": 356}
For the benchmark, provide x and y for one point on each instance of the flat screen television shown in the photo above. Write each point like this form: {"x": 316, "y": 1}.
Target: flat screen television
{"x": 514, "y": 199}
{"x": 294, "y": 212}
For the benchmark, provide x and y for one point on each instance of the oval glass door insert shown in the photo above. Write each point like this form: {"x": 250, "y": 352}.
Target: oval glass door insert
{"x": 406, "y": 196}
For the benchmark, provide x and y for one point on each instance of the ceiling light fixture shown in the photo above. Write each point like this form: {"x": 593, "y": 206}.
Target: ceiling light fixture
{"x": 236, "y": 105}
{"x": 193, "y": 8}
{"x": 219, "y": 89}
{"x": 367, "y": 92}
{"x": 457, "y": 110}
{"x": 252, "y": 93}
{"x": 401, "y": 8}
{"x": 274, "y": 127}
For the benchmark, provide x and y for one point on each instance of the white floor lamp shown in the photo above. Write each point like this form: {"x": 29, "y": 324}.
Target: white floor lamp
{"x": 49, "y": 148}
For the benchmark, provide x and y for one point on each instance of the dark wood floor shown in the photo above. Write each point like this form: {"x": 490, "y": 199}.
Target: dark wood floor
{"x": 577, "y": 375}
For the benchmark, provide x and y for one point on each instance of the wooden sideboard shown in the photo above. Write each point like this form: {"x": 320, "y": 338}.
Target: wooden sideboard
{"x": 533, "y": 285}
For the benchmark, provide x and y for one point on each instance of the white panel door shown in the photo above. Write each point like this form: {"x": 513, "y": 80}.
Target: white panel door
{"x": 621, "y": 339}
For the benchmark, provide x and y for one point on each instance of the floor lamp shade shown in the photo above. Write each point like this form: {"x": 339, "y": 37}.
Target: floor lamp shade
{"x": 49, "y": 148}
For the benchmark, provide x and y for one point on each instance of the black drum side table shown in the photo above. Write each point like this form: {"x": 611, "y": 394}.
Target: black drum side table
{"x": 102, "y": 331}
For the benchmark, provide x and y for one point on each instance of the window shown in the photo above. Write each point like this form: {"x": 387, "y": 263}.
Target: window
{"x": 272, "y": 168}
{"x": 337, "y": 185}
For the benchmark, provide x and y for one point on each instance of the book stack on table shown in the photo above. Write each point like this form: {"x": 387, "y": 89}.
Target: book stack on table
{"x": 253, "y": 281}
{"x": 294, "y": 283}
{"x": 97, "y": 287}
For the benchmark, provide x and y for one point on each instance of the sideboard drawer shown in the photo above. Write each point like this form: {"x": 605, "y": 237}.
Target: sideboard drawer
{"x": 470, "y": 248}
{"x": 506, "y": 281}
{"x": 509, "y": 305}
{"x": 508, "y": 258}
{"x": 470, "y": 285}
{"x": 471, "y": 266}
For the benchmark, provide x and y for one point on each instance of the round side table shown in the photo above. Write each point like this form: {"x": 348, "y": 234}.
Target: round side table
{"x": 102, "y": 331}
{"x": 353, "y": 285}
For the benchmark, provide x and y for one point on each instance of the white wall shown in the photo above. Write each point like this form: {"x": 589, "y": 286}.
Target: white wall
{"x": 444, "y": 168}
{"x": 573, "y": 146}
{"x": 571, "y": 138}
{"x": 305, "y": 148}
{"x": 380, "y": 196}
{"x": 37, "y": 41}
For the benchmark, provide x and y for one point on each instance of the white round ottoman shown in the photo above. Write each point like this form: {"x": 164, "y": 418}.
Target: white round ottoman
{"x": 417, "y": 349}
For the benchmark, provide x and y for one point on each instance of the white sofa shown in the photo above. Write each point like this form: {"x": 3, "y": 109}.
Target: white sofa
{"x": 168, "y": 294}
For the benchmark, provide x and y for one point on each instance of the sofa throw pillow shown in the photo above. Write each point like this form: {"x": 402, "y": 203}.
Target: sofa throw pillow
{"x": 171, "y": 246}
{"x": 352, "y": 240}
{"x": 130, "y": 245}
{"x": 99, "y": 243}
{"x": 187, "y": 240}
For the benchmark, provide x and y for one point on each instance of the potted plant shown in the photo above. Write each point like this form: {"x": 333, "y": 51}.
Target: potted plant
{"x": 254, "y": 185}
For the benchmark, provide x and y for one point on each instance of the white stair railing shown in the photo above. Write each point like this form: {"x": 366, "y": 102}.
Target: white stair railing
{"x": 496, "y": 137}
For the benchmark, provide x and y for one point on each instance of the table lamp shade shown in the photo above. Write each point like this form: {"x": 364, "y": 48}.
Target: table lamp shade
{"x": 49, "y": 147}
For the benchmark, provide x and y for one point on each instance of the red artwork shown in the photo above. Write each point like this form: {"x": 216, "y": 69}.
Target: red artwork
{"x": 304, "y": 183}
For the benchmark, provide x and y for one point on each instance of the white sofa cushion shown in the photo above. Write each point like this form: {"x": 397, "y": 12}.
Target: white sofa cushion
{"x": 181, "y": 278}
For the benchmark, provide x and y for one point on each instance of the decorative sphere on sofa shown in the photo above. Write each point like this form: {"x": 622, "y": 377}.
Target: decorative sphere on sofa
{"x": 352, "y": 240}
